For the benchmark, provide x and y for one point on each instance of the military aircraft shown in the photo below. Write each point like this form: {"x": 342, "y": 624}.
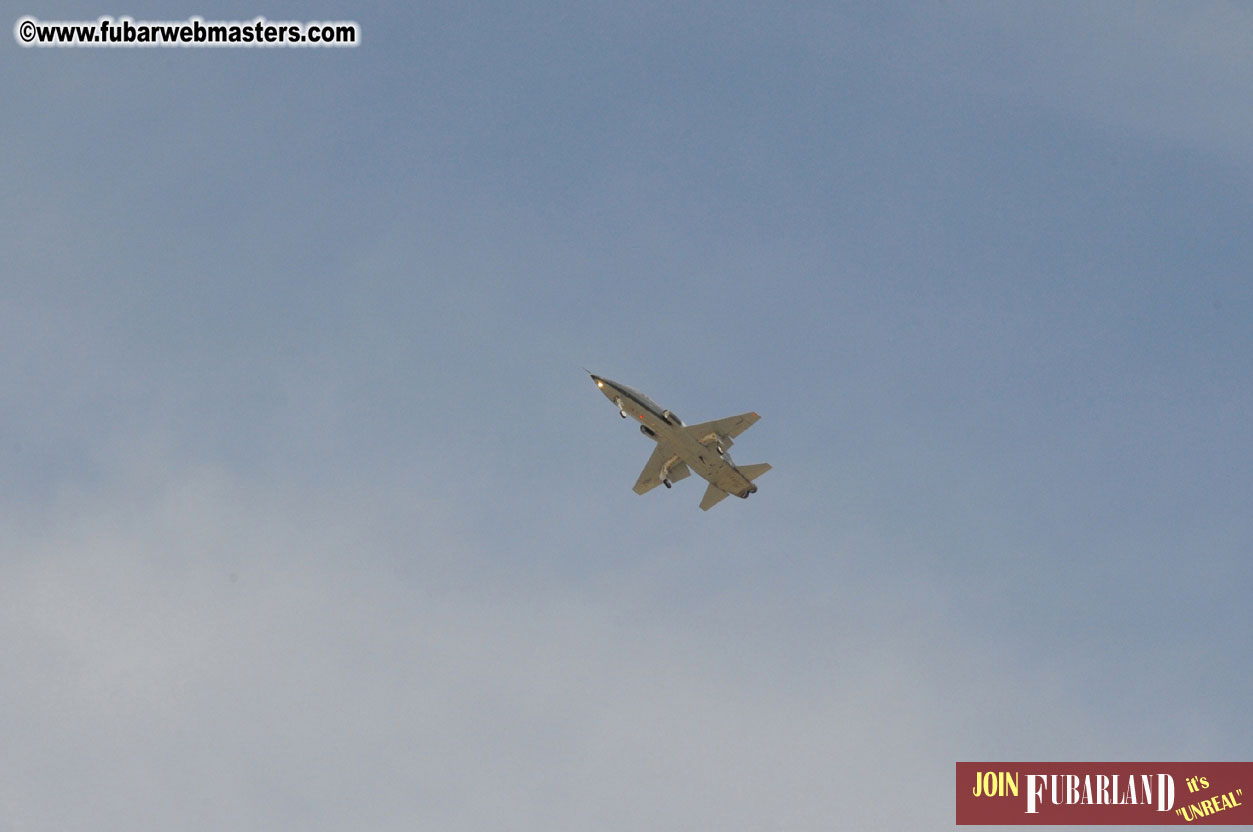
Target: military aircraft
{"x": 682, "y": 448}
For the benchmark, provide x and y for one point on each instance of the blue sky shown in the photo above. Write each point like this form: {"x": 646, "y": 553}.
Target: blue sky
{"x": 311, "y": 517}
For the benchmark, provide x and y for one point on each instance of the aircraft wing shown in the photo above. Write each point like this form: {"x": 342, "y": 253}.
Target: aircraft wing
{"x": 650, "y": 477}
{"x": 732, "y": 426}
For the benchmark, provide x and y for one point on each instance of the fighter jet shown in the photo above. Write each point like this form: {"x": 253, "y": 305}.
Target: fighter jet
{"x": 682, "y": 448}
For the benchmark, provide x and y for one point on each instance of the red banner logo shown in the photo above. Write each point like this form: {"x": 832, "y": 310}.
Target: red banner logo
{"x": 1104, "y": 793}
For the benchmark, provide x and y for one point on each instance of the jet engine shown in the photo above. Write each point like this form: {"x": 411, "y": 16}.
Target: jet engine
{"x": 647, "y": 431}
{"x": 672, "y": 419}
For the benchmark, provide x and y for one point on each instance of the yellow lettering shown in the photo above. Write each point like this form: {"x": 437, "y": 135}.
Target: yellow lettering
{"x": 995, "y": 784}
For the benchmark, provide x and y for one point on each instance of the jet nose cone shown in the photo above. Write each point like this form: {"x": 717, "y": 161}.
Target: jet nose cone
{"x": 600, "y": 382}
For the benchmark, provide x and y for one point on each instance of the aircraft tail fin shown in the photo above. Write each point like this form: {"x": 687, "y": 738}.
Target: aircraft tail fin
{"x": 713, "y": 496}
{"x": 755, "y": 471}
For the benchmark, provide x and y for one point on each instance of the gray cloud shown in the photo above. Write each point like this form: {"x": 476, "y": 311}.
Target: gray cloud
{"x": 187, "y": 648}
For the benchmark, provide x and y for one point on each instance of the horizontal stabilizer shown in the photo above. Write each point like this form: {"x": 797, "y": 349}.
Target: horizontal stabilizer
{"x": 713, "y": 496}
{"x": 754, "y": 471}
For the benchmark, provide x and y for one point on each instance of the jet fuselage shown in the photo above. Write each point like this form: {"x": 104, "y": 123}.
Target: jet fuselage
{"x": 705, "y": 454}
